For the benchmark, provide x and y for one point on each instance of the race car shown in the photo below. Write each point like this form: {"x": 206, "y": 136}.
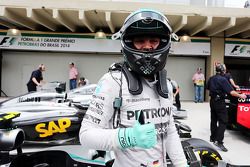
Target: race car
{"x": 55, "y": 93}
{"x": 239, "y": 111}
{"x": 46, "y": 116}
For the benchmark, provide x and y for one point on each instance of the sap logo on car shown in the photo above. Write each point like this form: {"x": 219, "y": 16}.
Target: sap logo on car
{"x": 53, "y": 127}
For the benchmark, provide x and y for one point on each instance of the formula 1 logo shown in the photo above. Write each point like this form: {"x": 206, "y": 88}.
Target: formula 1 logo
{"x": 238, "y": 49}
{"x": 7, "y": 41}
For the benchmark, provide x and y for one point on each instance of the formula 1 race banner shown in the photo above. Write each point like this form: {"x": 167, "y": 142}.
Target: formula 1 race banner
{"x": 58, "y": 44}
{"x": 189, "y": 48}
{"x": 91, "y": 45}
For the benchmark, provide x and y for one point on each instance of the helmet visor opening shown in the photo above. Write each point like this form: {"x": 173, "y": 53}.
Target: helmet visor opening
{"x": 163, "y": 42}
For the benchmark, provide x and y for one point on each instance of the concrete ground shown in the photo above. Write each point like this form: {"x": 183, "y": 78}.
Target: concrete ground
{"x": 237, "y": 144}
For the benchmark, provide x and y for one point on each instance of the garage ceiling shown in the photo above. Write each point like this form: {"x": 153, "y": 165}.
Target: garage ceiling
{"x": 78, "y": 16}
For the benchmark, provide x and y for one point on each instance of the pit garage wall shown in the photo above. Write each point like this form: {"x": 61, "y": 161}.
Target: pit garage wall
{"x": 181, "y": 69}
{"x": 92, "y": 57}
{"x": 17, "y": 67}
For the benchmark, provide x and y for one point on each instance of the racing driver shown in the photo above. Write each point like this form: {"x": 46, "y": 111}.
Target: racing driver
{"x": 131, "y": 110}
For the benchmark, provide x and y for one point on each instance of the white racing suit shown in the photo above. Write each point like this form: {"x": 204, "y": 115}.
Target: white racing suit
{"x": 97, "y": 129}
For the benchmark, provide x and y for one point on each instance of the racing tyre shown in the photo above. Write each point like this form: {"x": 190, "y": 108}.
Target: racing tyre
{"x": 208, "y": 155}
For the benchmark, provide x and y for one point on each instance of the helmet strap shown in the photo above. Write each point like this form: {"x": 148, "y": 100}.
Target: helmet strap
{"x": 161, "y": 85}
{"x": 134, "y": 82}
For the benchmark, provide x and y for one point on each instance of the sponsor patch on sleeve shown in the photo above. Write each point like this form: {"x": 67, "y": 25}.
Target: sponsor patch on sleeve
{"x": 92, "y": 119}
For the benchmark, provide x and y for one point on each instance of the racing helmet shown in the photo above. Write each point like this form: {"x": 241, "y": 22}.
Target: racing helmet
{"x": 220, "y": 68}
{"x": 145, "y": 23}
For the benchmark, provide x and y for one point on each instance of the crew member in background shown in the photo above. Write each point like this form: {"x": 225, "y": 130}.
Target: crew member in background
{"x": 120, "y": 116}
{"x": 83, "y": 82}
{"x": 36, "y": 78}
{"x": 198, "y": 80}
{"x": 176, "y": 94}
{"x": 247, "y": 4}
{"x": 218, "y": 87}
{"x": 230, "y": 78}
{"x": 73, "y": 73}
{"x": 232, "y": 101}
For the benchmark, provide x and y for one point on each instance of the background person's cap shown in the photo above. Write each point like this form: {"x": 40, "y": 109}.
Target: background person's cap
{"x": 71, "y": 63}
